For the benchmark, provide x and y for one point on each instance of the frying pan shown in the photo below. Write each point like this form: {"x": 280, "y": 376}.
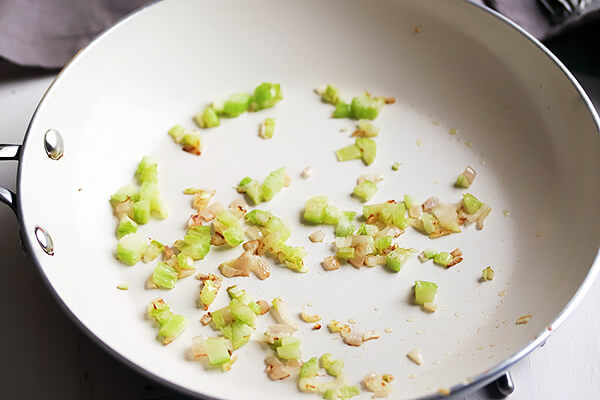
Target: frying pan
{"x": 521, "y": 119}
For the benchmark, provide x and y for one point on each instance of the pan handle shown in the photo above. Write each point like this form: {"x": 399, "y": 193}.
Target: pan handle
{"x": 9, "y": 152}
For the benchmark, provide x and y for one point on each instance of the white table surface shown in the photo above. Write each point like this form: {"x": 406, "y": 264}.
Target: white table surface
{"x": 45, "y": 356}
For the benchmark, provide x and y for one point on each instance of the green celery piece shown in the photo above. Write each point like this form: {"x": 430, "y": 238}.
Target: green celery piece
{"x": 161, "y": 312}
{"x": 292, "y": 257}
{"x": 331, "y": 95}
{"x": 273, "y": 184}
{"x": 196, "y": 243}
{"x": 242, "y": 312}
{"x": 218, "y": 106}
{"x": 217, "y": 351}
{"x": 147, "y": 170}
{"x": 266, "y": 95}
{"x": 236, "y": 104}
{"x": 397, "y": 258}
{"x": 288, "y": 340}
{"x": 367, "y": 148}
{"x": 462, "y": 181}
{"x": 207, "y": 119}
{"x": 366, "y": 107}
{"x": 152, "y": 251}
{"x": 429, "y": 253}
{"x": 192, "y": 140}
{"x": 362, "y": 230}
{"x": 227, "y": 332}
{"x": 348, "y": 391}
{"x": 425, "y": 292}
{"x": 351, "y": 152}
{"x": 177, "y": 133}
{"x": 365, "y": 191}
{"x": 184, "y": 262}
{"x": 164, "y": 276}
{"x": 149, "y": 190}
{"x": 172, "y": 328}
{"x": 427, "y": 220}
{"x": 208, "y": 293}
{"x": 342, "y": 110}
{"x": 399, "y": 217}
{"x": 331, "y": 394}
{"x": 382, "y": 243}
{"x": 255, "y": 307}
{"x": 240, "y": 334}
{"x": 276, "y": 343}
{"x": 277, "y": 229}
{"x": 129, "y": 191}
{"x": 371, "y": 230}
{"x": 410, "y": 201}
{"x": 251, "y": 188}
{"x": 126, "y": 226}
{"x": 345, "y": 253}
{"x": 218, "y": 317}
{"x": 258, "y": 217}
{"x": 314, "y": 209}
{"x": 331, "y": 215}
{"x": 289, "y": 352}
{"x": 396, "y": 166}
{"x": 234, "y": 236}
{"x": 345, "y": 226}
{"x": 267, "y": 128}
{"x": 325, "y": 360}
{"x": 373, "y": 209}
{"x": 239, "y": 294}
{"x": 130, "y": 248}
{"x": 141, "y": 211}
{"x": 487, "y": 274}
{"x": 228, "y": 219}
{"x": 442, "y": 258}
{"x": 336, "y": 368}
{"x": 367, "y": 128}
{"x": 310, "y": 368}
{"x": 159, "y": 207}
{"x": 471, "y": 203}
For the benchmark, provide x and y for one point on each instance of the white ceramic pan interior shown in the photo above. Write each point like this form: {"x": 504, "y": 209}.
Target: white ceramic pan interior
{"x": 534, "y": 143}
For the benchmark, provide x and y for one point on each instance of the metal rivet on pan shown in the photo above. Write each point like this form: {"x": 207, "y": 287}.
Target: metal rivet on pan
{"x": 54, "y": 144}
{"x": 44, "y": 240}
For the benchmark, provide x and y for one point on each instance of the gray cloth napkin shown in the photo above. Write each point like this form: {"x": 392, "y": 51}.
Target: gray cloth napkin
{"x": 48, "y": 33}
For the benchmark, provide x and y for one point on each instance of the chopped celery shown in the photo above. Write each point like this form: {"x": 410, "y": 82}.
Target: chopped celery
{"x": 123, "y": 286}
{"x": 192, "y": 143}
{"x": 462, "y": 181}
{"x": 345, "y": 253}
{"x": 252, "y": 189}
{"x": 172, "y": 328}
{"x": 399, "y": 218}
{"x": 149, "y": 190}
{"x": 348, "y": 391}
{"x": 240, "y": 334}
{"x": 196, "y": 243}
{"x": 351, "y": 152}
{"x": 141, "y": 211}
{"x": 310, "y": 368}
{"x": 276, "y": 230}
{"x": 233, "y": 236}
{"x": 236, "y": 104}
{"x": 367, "y": 229}
{"x": 388, "y": 213}
{"x": 184, "y": 262}
{"x": 429, "y": 253}
{"x": 207, "y": 119}
{"x": 487, "y": 274}
{"x": 330, "y": 95}
{"x": 242, "y": 312}
{"x": 325, "y": 360}
{"x": 366, "y": 107}
{"x": 471, "y": 203}
{"x": 227, "y": 331}
{"x": 217, "y": 351}
{"x": 289, "y": 351}
{"x": 164, "y": 276}
{"x": 396, "y": 259}
{"x": 219, "y": 318}
{"x": 382, "y": 243}
{"x": 333, "y": 367}
{"x": 442, "y": 258}
{"x": 293, "y": 257}
{"x": 273, "y": 184}
{"x": 267, "y": 128}
{"x": 208, "y": 292}
{"x": 367, "y": 148}
{"x": 160, "y": 311}
{"x": 254, "y": 306}
{"x": 159, "y": 207}
{"x": 331, "y": 215}
{"x": 342, "y": 110}
{"x": 126, "y": 226}
{"x": 177, "y": 133}
{"x": 314, "y": 209}
{"x": 266, "y": 95}
{"x": 258, "y": 217}
{"x": 131, "y": 248}
{"x": 396, "y": 166}
{"x": 152, "y": 251}
{"x": 428, "y": 222}
{"x": 410, "y": 201}
{"x": 228, "y": 219}
{"x": 365, "y": 190}
{"x": 425, "y": 292}
{"x": 345, "y": 226}
{"x": 147, "y": 170}
{"x": 367, "y": 129}
{"x": 239, "y": 294}
{"x": 129, "y": 191}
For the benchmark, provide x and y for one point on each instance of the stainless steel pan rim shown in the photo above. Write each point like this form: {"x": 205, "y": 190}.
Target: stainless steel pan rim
{"x": 479, "y": 381}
